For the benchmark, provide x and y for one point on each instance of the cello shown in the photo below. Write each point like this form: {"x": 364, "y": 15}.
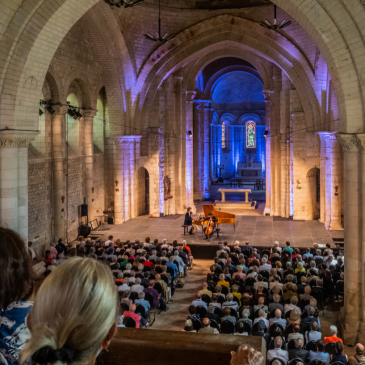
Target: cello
{"x": 209, "y": 229}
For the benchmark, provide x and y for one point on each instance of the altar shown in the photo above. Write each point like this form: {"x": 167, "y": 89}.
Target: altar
{"x": 249, "y": 171}
{"x": 242, "y": 204}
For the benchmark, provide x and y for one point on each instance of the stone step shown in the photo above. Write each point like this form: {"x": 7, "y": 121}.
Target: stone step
{"x": 235, "y": 204}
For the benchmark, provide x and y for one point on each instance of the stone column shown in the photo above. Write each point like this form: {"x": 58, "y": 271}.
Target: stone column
{"x": 59, "y": 155}
{"x": 268, "y": 152}
{"x": 14, "y": 180}
{"x": 161, "y": 147}
{"x": 206, "y": 141}
{"x": 89, "y": 159}
{"x": 118, "y": 181}
{"x": 190, "y": 95}
{"x": 352, "y": 314}
{"x": 285, "y": 176}
{"x": 179, "y": 141}
{"x": 330, "y": 181}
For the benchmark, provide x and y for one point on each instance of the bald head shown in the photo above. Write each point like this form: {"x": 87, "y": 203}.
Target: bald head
{"x": 158, "y": 277}
{"x": 132, "y": 307}
{"x": 359, "y": 349}
{"x": 206, "y": 322}
{"x": 278, "y": 313}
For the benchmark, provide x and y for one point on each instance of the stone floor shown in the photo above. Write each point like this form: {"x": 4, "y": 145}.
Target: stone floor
{"x": 259, "y": 230}
{"x": 174, "y": 318}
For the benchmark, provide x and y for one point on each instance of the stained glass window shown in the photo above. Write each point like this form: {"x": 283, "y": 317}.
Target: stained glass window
{"x": 250, "y": 134}
{"x": 223, "y": 135}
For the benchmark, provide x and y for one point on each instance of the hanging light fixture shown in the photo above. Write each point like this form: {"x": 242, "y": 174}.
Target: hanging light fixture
{"x": 274, "y": 26}
{"x": 158, "y": 37}
{"x": 124, "y": 3}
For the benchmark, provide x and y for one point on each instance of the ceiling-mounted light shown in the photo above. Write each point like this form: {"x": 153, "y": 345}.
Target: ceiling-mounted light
{"x": 124, "y": 3}
{"x": 266, "y": 133}
{"x": 158, "y": 37}
{"x": 189, "y": 134}
{"x": 274, "y": 26}
{"x": 41, "y": 112}
{"x": 79, "y": 116}
{"x": 49, "y": 109}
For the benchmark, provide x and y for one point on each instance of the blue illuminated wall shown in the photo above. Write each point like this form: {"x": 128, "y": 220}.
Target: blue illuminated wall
{"x": 237, "y": 97}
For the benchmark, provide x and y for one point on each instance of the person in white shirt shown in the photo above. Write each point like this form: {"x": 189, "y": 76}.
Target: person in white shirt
{"x": 254, "y": 272}
{"x": 313, "y": 334}
{"x": 278, "y": 352}
{"x": 259, "y": 282}
{"x": 220, "y": 250}
{"x": 124, "y": 286}
{"x": 292, "y": 305}
{"x": 264, "y": 265}
{"x": 240, "y": 273}
{"x": 276, "y": 282}
{"x": 132, "y": 279}
{"x": 137, "y": 287}
{"x": 230, "y": 303}
{"x": 277, "y": 319}
{"x": 165, "y": 243}
{"x": 198, "y": 301}
{"x": 109, "y": 241}
{"x": 147, "y": 242}
{"x": 278, "y": 248}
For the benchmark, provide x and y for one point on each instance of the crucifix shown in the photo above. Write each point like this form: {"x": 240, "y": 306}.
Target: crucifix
{"x": 63, "y": 199}
{"x": 116, "y": 182}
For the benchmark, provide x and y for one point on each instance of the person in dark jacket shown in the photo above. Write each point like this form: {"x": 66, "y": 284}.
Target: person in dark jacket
{"x": 188, "y": 220}
{"x": 307, "y": 321}
{"x": 298, "y": 352}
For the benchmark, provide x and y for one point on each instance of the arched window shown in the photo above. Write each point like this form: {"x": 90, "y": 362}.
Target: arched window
{"x": 251, "y": 134}
{"x": 223, "y": 135}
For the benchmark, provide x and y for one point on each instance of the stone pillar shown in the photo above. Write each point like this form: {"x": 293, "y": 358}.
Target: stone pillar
{"x": 330, "y": 181}
{"x": 268, "y": 152}
{"x": 179, "y": 142}
{"x": 190, "y": 95}
{"x": 198, "y": 147}
{"x": 285, "y": 176}
{"x": 161, "y": 147}
{"x": 89, "y": 159}
{"x": 352, "y": 314}
{"x": 206, "y": 141}
{"x": 127, "y": 152}
{"x": 59, "y": 155}
{"x": 14, "y": 180}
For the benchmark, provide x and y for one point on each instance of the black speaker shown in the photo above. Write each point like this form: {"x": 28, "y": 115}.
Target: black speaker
{"x": 110, "y": 220}
{"x": 84, "y": 231}
{"x": 84, "y": 210}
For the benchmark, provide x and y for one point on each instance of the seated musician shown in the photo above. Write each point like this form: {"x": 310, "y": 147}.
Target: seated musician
{"x": 210, "y": 219}
{"x": 188, "y": 220}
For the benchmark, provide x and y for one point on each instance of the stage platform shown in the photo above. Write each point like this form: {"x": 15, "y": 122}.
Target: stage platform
{"x": 259, "y": 230}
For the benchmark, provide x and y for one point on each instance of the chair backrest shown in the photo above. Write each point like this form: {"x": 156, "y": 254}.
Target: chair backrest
{"x": 149, "y": 297}
{"x": 220, "y": 300}
{"x": 158, "y": 269}
{"x": 129, "y": 322}
{"x": 158, "y": 287}
{"x": 291, "y": 345}
{"x": 276, "y": 358}
{"x": 287, "y": 314}
{"x": 206, "y": 298}
{"x": 265, "y": 274}
{"x": 170, "y": 270}
{"x": 312, "y": 346}
{"x": 317, "y": 294}
{"x": 165, "y": 279}
{"x": 197, "y": 324}
{"x": 234, "y": 313}
{"x": 218, "y": 311}
{"x": 140, "y": 309}
{"x": 214, "y": 324}
{"x": 337, "y": 363}
{"x": 227, "y": 327}
{"x": 295, "y": 361}
{"x": 315, "y": 362}
{"x": 201, "y": 311}
{"x": 224, "y": 290}
{"x": 211, "y": 288}
{"x": 330, "y": 348}
{"x": 236, "y": 300}
{"x": 124, "y": 307}
{"x": 133, "y": 296}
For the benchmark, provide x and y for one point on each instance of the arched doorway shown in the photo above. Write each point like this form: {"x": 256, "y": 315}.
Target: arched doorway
{"x": 143, "y": 192}
{"x": 314, "y": 188}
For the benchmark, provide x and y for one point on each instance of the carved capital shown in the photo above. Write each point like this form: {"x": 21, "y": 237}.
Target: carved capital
{"x": 16, "y": 138}
{"x": 350, "y": 142}
{"x": 190, "y": 95}
{"x": 327, "y": 136}
{"x": 60, "y": 109}
{"x": 89, "y": 113}
{"x": 126, "y": 139}
{"x": 361, "y": 138}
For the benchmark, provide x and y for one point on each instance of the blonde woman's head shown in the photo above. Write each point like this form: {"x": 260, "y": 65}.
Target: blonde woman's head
{"x": 75, "y": 312}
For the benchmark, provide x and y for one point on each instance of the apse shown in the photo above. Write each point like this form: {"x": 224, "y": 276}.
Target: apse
{"x": 238, "y": 124}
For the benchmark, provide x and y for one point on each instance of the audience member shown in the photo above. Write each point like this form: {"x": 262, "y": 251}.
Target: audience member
{"x": 278, "y": 352}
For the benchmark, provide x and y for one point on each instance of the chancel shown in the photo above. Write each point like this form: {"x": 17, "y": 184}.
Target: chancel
{"x": 163, "y": 138}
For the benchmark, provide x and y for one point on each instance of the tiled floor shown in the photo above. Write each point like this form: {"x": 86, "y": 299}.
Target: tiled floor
{"x": 259, "y": 230}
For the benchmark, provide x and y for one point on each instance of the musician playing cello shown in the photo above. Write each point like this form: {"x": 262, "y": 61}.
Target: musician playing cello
{"x": 212, "y": 225}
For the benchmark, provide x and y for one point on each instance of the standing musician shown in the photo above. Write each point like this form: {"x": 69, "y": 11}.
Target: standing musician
{"x": 212, "y": 225}
{"x": 188, "y": 220}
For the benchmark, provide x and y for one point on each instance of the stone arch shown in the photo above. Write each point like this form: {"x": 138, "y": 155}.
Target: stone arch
{"x": 219, "y": 74}
{"x": 250, "y": 116}
{"x": 228, "y": 33}
{"x": 215, "y": 118}
{"x": 143, "y": 189}
{"x": 82, "y": 83}
{"x": 29, "y": 49}
{"x": 227, "y": 118}
{"x": 244, "y": 55}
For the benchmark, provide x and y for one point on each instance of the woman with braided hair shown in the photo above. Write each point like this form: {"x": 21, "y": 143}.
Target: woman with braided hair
{"x": 74, "y": 315}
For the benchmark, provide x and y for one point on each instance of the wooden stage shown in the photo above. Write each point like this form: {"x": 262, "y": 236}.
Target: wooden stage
{"x": 259, "y": 230}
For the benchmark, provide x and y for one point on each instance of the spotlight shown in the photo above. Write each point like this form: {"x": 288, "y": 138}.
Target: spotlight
{"x": 72, "y": 113}
{"x": 40, "y": 112}
{"x": 78, "y": 116}
{"x": 266, "y": 133}
{"x": 189, "y": 134}
{"x": 49, "y": 109}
